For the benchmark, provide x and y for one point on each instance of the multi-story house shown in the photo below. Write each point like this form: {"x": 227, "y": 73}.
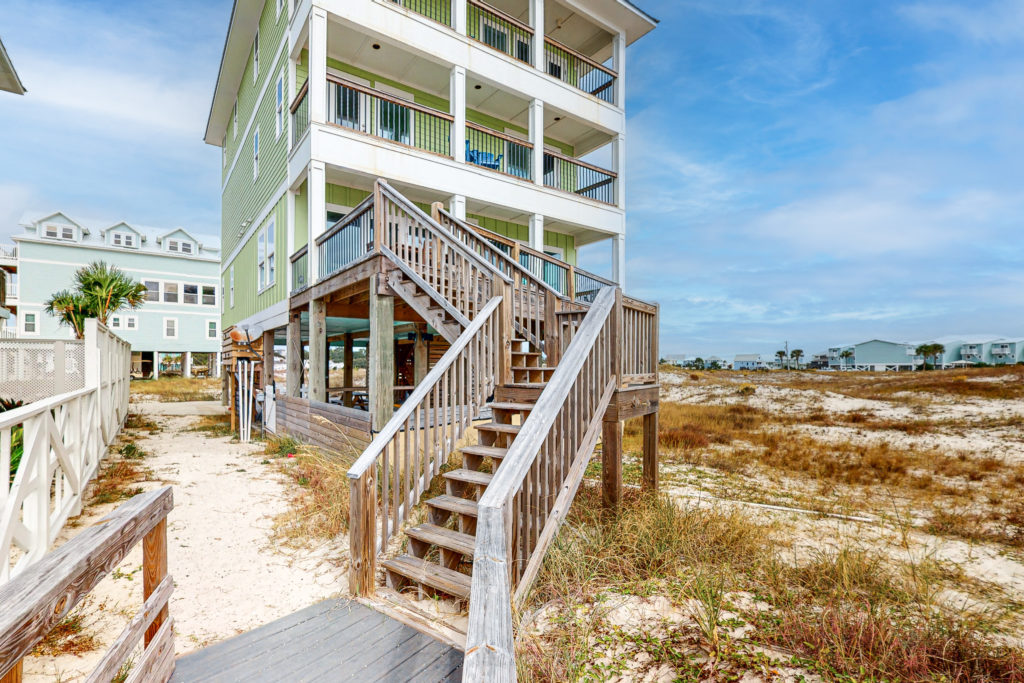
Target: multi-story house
{"x": 8, "y": 289}
{"x": 512, "y": 115}
{"x": 181, "y": 314}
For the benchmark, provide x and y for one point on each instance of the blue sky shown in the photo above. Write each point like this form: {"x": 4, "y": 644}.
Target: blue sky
{"x": 817, "y": 171}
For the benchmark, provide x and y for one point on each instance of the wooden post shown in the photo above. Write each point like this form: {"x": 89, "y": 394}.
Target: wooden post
{"x": 317, "y": 350}
{"x": 363, "y": 534}
{"x": 654, "y": 343}
{"x": 551, "y": 342}
{"x": 380, "y": 370}
{"x": 435, "y": 211}
{"x": 268, "y": 361}
{"x": 617, "y": 338}
{"x": 293, "y": 355}
{"x": 14, "y": 675}
{"x": 233, "y": 405}
{"x": 420, "y": 359}
{"x": 504, "y": 340}
{"x": 154, "y": 569}
{"x": 379, "y": 218}
{"x": 570, "y": 286}
{"x": 650, "y": 473}
{"x": 611, "y": 463}
{"x": 348, "y": 397}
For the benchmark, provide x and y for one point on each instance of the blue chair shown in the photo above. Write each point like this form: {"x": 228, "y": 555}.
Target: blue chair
{"x": 485, "y": 159}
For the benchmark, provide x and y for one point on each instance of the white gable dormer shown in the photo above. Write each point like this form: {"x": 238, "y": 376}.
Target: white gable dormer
{"x": 123, "y": 235}
{"x": 180, "y": 242}
{"x": 60, "y": 228}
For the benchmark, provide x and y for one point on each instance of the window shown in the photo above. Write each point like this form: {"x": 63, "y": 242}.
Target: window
{"x": 123, "y": 239}
{"x": 234, "y": 118}
{"x": 231, "y": 286}
{"x": 170, "y": 292}
{"x": 255, "y": 153}
{"x": 179, "y": 247}
{"x": 30, "y": 323}
{"x": 265, "y": 258}
{"x": 191, "y": 294}
{"x": 173, "y": 245}
{"x": 211, "y": 329}
{"x": 256, "y": 57}
{"x": 209, "y": 295}
{"x": 280, "y": 6}
{"x": 280, "y": 105}
{"x": 132, "y": 322}
{"x": 224, "y": 152}
{"x": 152, "y": 290}
{"x": 186, "y": 247}
{"x": 115, "y": 322}
{"x": 59, "y": 232}
{"x": 170, "y": 328}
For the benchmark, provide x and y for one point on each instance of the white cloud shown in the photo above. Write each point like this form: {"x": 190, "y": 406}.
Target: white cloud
{"x": 999, "y": 21}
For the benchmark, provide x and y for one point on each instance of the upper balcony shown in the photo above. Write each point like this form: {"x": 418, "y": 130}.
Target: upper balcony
{"x": 8, "y": 255}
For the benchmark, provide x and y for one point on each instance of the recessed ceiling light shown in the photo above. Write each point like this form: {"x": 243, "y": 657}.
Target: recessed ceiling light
{"x": 558, "y": 118}
{"x": 376, "y": 46}
{"x": 477, "y": 87}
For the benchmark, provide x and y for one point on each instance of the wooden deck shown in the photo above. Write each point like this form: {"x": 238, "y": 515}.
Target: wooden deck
{"x": 334, "y": 640}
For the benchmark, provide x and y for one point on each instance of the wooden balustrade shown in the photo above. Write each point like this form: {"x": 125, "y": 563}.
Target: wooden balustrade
{"x": 499, "y": 151}
{"x": 348, "y": 240}
{"x": 500, "y": 31}
{"x": 565, "y": 173}
{"x": 409, "y": 451}
{"x": 300, "y": 113}
{"x": 300, "y": 268}
{"x": 529, "y": 496}
{"x": 639, "y": 341}
{"x": 35, "y": 601}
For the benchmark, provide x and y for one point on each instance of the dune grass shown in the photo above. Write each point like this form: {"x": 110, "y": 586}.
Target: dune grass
{"x": 175, "y": 389}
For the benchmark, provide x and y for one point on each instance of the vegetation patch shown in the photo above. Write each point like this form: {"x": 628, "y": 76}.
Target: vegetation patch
{"x": 71, "y": 636}
{"x": 176, "y": 389}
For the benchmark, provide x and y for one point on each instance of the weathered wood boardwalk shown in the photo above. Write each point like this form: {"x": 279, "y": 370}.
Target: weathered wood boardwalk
{"x": 334, "y": 640}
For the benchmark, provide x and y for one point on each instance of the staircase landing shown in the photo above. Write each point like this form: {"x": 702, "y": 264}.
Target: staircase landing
{"x": 334, "y": 640}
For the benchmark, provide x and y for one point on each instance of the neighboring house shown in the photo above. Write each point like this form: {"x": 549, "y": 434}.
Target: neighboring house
{"x": 9, "y": 80}
{"x": 9, "y": 288}
{"x": 1007, "y": 351}
{"x": 722, "y": 363}
{"x": 181, "y": 315}
{"x": 819, "y": 361}
{"x": 676, "y": 359}
{"x": 478, "y": 108}
{"x": 874, "y": 355}
{"x": 750, "y": 361}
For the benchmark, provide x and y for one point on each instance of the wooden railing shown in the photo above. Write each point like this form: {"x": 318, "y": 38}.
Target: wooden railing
{"x": 580, "y": 178}
{"x": 438, "y": 10}
{"x": 36, "y": 601}
{"x": 50, "y": 449}
{"x": 387, "y": 117}
{"x": 580, "y": 71}
{"x": 500, "y": 31}
{"x": 526, "y": 501}
{"x": 533, "y": 299}
{"x": 639, "y": 341}
{"x": 300, "y": 113}
{"x": 346, "y": 241}
{"x": 300, "y": 268}
{"x": 408, "y": 452}
{"x": 499, "y": 152}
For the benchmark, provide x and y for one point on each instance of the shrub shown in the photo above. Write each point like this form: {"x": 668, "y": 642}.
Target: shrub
{"x": 746, "y": 389}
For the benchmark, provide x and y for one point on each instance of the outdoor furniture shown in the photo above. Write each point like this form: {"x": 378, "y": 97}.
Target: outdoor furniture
{"x": 481, "y": 158}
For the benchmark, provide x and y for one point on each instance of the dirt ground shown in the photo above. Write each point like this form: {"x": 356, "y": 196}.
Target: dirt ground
{"x": 230, "y": 575}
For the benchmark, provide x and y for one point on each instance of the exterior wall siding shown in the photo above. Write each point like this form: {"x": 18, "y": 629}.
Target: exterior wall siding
{"x": 248, "y": 299}
{"x": 567, "y": 243}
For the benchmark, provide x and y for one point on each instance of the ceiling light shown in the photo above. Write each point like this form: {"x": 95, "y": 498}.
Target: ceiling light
{"x": 558, "y": 118}
{"x": 376, "y": 46}
{"x": 477, "y": 87}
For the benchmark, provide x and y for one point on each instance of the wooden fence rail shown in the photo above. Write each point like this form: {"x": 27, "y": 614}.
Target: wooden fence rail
{"x": 58, "y": 443}
{"x": 639, "y": 341}
{"x": 36, "y": 600}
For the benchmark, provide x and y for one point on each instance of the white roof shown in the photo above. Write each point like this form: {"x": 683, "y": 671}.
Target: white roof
{"x": 746, "y": 357}
{"x": 150, "y": 236}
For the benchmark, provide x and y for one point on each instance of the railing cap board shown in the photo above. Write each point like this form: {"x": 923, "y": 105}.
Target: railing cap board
{"x": 579, "y": 162}
{"x": 300, "y": 252}
{"x": 298, "y": 96}
{"x": 525, "y": 28}
{"x": 14, "y": 417}
{"x": 39, "y": 597}
{"x": 331, "y": 78}
{"x": 562, "y": 46}
{"x": 360, "y": 208}
{"x": 535, "y": 428}
{"x": 498, "y": 134}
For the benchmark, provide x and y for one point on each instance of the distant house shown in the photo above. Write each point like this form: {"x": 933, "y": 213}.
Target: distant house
{"x": 722, "y": 363}
{"x": 750, "y": 361}
{"x": 874, "y": 355}
{"x": 819, "y": 361}
{"x": 676, "y": 359}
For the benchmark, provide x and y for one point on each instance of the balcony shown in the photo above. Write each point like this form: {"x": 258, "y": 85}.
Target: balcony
{"x": 580, "y": 71}
{"x": 498, "y": 152}
{"x": 438, "y": 10}
{"x": 12, "y": 292}
{"x": 580, "y": 178}
{"x": 500, "y": 31}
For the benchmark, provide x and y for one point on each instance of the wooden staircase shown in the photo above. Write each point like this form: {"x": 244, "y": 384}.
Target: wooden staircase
{"x": 438, "y": 560}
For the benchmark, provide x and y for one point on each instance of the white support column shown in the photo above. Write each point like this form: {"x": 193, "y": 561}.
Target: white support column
{"x": 537, "y": 22}
{"x": 457, "y": 206}
{"x": 619, "y": 166}
{"x": 537, "y": 139}
{"x": 186, "y": 364}
{"x": 619, "y": 62}
{"x": 619, "y": 260}
{"x": 457, "y": 97}
{"x": 156, "y": 365}
{"x": 459, "y": 15}
{"x": 537, "y": 232}
{"x": 318, "y": 65}
{"x": 316, "y": 190}
{"x": 289, "y": 237}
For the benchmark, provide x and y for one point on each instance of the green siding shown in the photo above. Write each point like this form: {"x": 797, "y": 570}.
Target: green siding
{"x": 247, "y": 300}
{"x": 519, "y": 232}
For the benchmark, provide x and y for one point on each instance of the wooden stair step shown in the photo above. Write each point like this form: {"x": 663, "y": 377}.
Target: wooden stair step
{"x": 454, "y": 504}
{"x": 469, "y": 476}
{"x": 527, "y": 385}
{"x": 444, "y": 538}
{"x": 499, "y": 427}
{"x": 525, "y": 353}
{"x": 539, "y": 368}
{"x": 511, "y": 405}
{"x": 485, "y": 451}
{"x": 429, "y": 574}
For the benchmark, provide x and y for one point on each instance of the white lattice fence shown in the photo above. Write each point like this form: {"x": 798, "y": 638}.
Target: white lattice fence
{"x": 34, "y": 369}
{"x": 62, "y": 439}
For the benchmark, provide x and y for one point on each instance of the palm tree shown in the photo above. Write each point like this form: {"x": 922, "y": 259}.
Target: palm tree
{"x": 796, "y": 355}
{"x": 937, "y": 350}
{"x": 932, "y": 351}
{"x": 70, "y": 308}
{"x": 846, "y": 355}
{"x": 781, "y": 355}
{"x": 107, "y": 289}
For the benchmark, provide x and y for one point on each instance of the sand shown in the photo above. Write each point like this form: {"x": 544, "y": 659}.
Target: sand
{"x": 229, "y": 574}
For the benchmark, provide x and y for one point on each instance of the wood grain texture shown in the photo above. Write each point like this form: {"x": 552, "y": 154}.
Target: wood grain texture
{"x": 122, "y": 648}
{"x": 154, "y": 570}
{"x": 650, "y": 467}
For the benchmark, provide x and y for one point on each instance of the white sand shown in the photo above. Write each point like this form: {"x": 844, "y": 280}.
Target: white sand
{"x": 229, "y": 575}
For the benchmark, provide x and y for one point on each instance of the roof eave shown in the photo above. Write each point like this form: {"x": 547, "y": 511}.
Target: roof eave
{"x": 245, "y": 18}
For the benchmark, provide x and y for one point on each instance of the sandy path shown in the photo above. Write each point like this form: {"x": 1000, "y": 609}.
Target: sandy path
{"x": 229, "y": 575}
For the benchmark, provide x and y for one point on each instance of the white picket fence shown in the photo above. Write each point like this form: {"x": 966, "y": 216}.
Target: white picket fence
{"x": 64, "y": 438}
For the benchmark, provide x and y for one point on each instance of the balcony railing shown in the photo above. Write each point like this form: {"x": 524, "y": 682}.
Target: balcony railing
{"x": 579, "y": 70}
{"x": 498, "y": 152}
{"x": 346, "y": 241}
{"x": 572, "y": 175}
{"x": 8, "y": 252}
{"x": 498, "y": 30}
{"x": 300, "y": 268}
{"x": 383, "y": 116}
{"x": 300, "y": 113}
{"x": 438, "y": 10}
{"x": 12, "y": 290}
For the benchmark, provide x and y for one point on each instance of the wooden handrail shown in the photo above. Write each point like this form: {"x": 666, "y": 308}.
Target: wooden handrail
{"x": 32, "y": 603}
{"x": 302, "y": 251}
{"x": 361, "y": 208}
{"x": 498, "y": 134}
{"x": 560, "y": 46}
{"x": 390, "y": 98}
{"x": 525, "y": 28}
{"x": 579, "y": 162}
{"x": 298, "y": 97}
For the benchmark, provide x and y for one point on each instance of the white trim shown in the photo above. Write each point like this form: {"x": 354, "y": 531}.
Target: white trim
{"x": 216, "y": 331}
{"x": 105, "y": 247}
{"x": 267, "y": 208}
{"x": 256, "y": 57}
{"x": 176, "y": 328}
{"x": 36, "y": 321}
{"x": 280, "y": 106}
{"x": 266, "y": 254}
